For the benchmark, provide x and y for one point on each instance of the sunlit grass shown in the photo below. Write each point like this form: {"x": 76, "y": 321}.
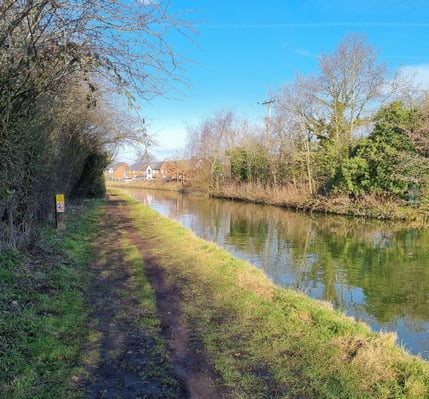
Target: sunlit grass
{"x": 262, "y": 341}
{"x": 43, "y": 312}
{"x": 268, "y": 342}
{"x": 148, "y": 318}
{"x": 48, "y": 345}
{"x": 120, "y": 263}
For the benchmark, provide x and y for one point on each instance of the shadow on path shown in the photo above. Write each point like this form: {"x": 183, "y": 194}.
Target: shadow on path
{"x": 123, "y": 361}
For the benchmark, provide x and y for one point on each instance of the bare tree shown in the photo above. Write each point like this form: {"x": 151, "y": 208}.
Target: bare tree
{"x": 210, "y": 141}
{"x": 294, "y": 128}
{"x": 44, "y": 41}
{"x": 350, "y": 81}
{"x": 321, "y": 114}
{"x": 56, "y": 58}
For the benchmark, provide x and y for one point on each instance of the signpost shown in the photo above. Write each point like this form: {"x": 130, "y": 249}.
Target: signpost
{"x": 60, "y": 211}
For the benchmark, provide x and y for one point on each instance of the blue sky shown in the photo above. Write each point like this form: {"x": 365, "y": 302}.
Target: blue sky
{"x": 245, "y": 48}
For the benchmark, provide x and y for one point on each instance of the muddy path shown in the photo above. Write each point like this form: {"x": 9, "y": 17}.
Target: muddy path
{"x": 122, "y": 359}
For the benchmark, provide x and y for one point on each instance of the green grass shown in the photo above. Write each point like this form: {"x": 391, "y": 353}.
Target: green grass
{"x": 268, "y": 342}
{"x": 262, "y": 341}
{"x": 42, "y": 311}
{"x": 119, "y": 275}
{"x": 148, "y": 321}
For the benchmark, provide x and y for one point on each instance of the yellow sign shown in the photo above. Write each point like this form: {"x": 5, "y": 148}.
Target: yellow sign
{"x": 59, "y": 202}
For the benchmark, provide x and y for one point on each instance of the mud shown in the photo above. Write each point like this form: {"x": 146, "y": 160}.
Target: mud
{"x": 125, "y": 364}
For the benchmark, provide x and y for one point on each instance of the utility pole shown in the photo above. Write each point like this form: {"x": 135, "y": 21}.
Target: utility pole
{"x": 268, "y": 122}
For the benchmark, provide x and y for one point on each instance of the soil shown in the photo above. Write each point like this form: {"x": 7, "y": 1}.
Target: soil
{"x": 126, "y": 364}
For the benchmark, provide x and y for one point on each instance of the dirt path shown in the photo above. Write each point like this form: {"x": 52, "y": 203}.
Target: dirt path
{"x": 122, "y": 359}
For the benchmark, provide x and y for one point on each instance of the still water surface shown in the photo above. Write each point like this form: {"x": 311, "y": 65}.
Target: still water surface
{"x": 377, "y": 272}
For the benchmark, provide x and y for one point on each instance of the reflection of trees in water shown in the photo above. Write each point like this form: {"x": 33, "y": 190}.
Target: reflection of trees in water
{"x": 337, "y": 255}
{"x": 360, "y": 266}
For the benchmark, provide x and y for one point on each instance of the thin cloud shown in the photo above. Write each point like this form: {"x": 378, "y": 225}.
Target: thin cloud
{"x": 408, "y": 57}
{"x": 315, "y": 25}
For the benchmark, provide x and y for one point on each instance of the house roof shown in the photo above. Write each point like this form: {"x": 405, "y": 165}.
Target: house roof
{"x": 116, "y": 165}
{"x": 156, "y": 165}
{"x": 138, "y": 166}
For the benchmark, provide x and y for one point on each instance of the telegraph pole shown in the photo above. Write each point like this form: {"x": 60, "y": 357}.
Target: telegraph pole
{"x": 268, "y": 122}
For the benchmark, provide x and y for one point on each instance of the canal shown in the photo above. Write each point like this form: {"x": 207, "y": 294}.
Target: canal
{"x": 377, "y": 272}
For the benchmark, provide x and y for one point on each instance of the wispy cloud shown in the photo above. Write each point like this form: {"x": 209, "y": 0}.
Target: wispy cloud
{"x": 315, "y": 25}
{"x": 408, "y": 57}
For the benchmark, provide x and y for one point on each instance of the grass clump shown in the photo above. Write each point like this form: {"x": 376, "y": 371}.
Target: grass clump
{"x": 267, "y": 342}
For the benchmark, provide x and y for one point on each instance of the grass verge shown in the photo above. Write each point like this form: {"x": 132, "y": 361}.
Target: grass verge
{"x": 263, "y": 341}
{"x": 51, "y": 341}
{"x": 42, "y": 311}
{"x": 268, "y": 342}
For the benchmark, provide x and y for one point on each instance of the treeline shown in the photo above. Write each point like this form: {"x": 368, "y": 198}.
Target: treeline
{"x": 348, "y": 131}
{"x": 60, "y": 60}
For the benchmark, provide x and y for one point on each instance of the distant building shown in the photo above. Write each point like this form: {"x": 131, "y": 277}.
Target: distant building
{"x": 116, "y": 171}
{"x": 164, "y": 170}
{"x": 148, "y": 171}
{"x": 138, "y": 171}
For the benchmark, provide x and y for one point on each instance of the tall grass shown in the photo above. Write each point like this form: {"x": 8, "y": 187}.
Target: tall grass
{"x": 290, "y": 195}
{"x": 298, "y": 197}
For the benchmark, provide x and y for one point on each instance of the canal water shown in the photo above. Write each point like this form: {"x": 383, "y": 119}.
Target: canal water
{"x": 377, "y": 272}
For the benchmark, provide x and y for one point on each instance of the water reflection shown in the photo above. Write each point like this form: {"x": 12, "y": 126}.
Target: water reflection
{"x": 377, "y": 272}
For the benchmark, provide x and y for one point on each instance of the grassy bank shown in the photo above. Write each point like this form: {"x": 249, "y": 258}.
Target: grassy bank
{"x": 261, "y": 341}
{"x": 267, "y": 342}
{"x": 52, "y": 335}
{"x": 292, "y": 197}
{"x": 149, "y": 184}
{"x": 295, "y": 198}
{"x": 42, "y": 311}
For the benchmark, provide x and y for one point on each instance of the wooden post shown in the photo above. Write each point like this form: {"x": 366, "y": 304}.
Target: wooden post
{"x": 60, "y": 211}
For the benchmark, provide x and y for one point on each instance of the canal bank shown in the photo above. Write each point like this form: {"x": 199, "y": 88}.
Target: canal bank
{"x": 256, "y": 340}
{"x": 227, "y": 329}
{"x": 365, "y": 207}
{"x": 374, "y": 271}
